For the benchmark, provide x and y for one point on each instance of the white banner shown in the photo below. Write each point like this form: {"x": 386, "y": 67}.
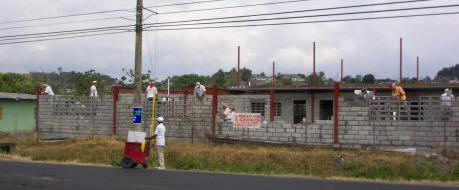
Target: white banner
{"x": 247, "y": 120}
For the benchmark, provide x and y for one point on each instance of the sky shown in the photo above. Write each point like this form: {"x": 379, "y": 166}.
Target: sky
{"x": 369, "y": 46}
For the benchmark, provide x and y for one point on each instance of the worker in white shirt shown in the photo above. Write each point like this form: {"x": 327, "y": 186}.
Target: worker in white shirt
{"x": 200, "y": 91}
{"x": 446, "y": 99}
{"x": 160, "y": 135}
{"x": 47, "y": 90}
{"x": 151, "y": 89}
{"x": 93, "y": 90}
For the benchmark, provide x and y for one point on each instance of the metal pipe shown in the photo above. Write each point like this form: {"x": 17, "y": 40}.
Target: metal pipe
{"x": 401, "y": 77}
{"x": 314, "y": 63}
{"x": 274, "y": 73}
{"x": 238, "y": 66}
{"x": 417, "y": 69}
{"x": 115, "y": 103}
{"x": 341, "y": 70}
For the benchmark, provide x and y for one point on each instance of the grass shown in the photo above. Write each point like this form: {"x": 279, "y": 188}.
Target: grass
{"x": 252, "y": 159}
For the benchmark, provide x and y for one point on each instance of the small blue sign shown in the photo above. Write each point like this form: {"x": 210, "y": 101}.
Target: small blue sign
{"x": 137, "y": 113}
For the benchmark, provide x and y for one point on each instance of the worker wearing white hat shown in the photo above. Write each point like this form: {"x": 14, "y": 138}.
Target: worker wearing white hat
{"x": 93, "y": 90}
{"x": 200, "y": 91}
{"x": 160, "y": 135}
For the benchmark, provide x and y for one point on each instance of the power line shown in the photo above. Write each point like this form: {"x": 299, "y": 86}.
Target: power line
{"x": 65, "y": 16}
{"x": 66, "y": 31}
{"x": 289, "y": 12}
{"x": 102, "y": 12}
{"x": 188, "y": 3}
{"x": 61, "y": 34}
{"x": 308, "y": 22}
{"x": 70, "y": 37}
{"x": 310, "y": 16}
{"x": 232, "y": 7}
{"x": 63, "y": 23}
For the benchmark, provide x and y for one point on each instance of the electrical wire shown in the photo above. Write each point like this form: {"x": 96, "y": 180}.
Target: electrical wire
{"x": 61, "y": 34}
{"x": 103, "y": 12}
{"x": 232, "y": 7}
{"x": 63, "y": 23}
{"x": 59, "y": 38}
{"x": 187, "y": 3}
{"x": 297, "y": 11}
{"x": 309, "y": 16}
{"x": 308, "y": 22}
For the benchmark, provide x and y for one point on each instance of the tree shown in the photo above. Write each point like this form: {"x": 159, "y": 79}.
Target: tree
{"x": 128, "y": 78}
{"x": 447, "y": 74}
{"x": 17, "y": 83}
{"x": 83, "y": 83}
{"x": 368, "y": 78}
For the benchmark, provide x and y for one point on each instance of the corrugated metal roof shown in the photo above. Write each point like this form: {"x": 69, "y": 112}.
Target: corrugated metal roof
{"x": 4, "y": 95}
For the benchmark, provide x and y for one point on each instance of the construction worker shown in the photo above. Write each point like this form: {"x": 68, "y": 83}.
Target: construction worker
{"x": 447, "y": 99}
{"x": 93, "y": 90}
{"x": 151, "y": 89}
{"x": 200, "y": 91}
{"x": 160, "y": 135}
{"x": 46, "y": 89}
{"x": 399, "y": 94}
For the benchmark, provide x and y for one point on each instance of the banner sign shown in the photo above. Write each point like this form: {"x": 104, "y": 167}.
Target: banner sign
{"x": 137, "y": 115}
{"x": 246, "y": 120}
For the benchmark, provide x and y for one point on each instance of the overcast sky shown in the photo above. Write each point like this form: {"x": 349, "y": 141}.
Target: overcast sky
{"x": 370, "y": 46}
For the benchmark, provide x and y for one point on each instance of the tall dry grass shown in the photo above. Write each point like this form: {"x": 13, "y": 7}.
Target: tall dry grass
{"x": 253, "y": 159}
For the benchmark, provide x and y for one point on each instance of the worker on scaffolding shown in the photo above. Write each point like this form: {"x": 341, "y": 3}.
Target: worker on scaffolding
{"x": 160, "y": 135}
{"x": 399, "y": 94}
{"x": 200, "y": 91}
{"x": 447, "y": 99}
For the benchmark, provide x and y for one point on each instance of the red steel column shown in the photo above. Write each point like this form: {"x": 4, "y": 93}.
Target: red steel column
{"x": 341, "y": 70}
{"x": 401, "y": 78}
{"x": 335, "y": 112}
{"x": 314, "y": 63}
{"x": 417, "y": 69}
{"x": 274, "y": 72}
{"x": 271, "y": 105}
{"x": 115, "y": 91}
{"x": 214, "y": 106}
{"x": 238, "y": 65}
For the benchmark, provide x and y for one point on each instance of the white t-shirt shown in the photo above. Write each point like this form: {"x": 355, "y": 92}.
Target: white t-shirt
{"x": 49, "y": 91}
{"x": 151, "y": 91}
{"x": 160, "y": 133}
{"x": 227, "y": 113}
{"x": 93, "y": 91}
{"x": 200, "y": 90}
{"x": 446, "y": 100}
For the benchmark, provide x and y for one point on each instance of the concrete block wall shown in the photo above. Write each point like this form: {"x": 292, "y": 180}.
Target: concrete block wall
{"x": 357, "y": 131}
{"x": 68, "y": 117}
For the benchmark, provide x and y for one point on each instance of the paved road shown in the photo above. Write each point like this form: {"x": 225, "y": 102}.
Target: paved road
{"x": 19, "y": 175}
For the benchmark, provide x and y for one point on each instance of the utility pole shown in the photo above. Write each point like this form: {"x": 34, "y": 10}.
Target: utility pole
{"x": 314, "y": 63}
{"x": 138, "y": 53}
{"x": 238, "y": 80}
{"x": 401, "y": 77}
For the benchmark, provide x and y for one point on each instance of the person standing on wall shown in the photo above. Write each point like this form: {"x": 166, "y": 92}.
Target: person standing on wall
{"x": 399, "y": 94}
{"x": 93, "y": 96}
{"x": 447, "y": 99}
{"x": 160, "y": 135}
{"x": 151, "y": 89}
{"x": 200, "y": 91}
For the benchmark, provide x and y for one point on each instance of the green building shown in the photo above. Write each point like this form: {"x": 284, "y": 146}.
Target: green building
{"x": 17, "y": 112}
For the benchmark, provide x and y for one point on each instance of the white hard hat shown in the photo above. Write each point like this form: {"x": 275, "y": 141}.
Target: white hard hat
{"x": 160, "y": 119}
{"x": 198, "y": 83}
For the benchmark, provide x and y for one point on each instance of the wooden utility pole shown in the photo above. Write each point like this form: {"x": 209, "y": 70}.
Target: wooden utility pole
{"x": 138, "y": 53}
